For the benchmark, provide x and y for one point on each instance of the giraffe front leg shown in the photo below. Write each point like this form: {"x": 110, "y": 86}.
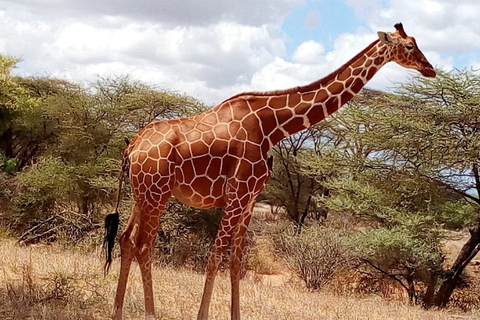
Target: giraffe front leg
{"x": 221, "y": 244}
{"x": 236, "y": 257}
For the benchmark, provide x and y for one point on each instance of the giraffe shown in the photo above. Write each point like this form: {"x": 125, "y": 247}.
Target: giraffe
{"x": 219, "y": 159}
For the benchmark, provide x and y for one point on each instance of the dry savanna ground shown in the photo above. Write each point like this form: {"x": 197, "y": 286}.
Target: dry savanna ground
{"x": 48, "y": 282}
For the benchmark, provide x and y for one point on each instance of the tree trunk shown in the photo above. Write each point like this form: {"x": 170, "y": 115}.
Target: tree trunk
{"x": 430, "y": 293}
{"x": 468, "y": 252}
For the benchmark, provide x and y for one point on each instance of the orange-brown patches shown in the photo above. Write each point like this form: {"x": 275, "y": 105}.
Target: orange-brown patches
{"x": 144, "y": 145}
{"x": 187, "y": 125}
{"x": 214, "y": 167}
{"x": 294, "y": 99}
{"x": 153, "y": 153}
{"x": 203, "y": 127}
{"x": 234, "y": 126}
{"x": 155, "y": 197}
{"x": 148, "y": 179}
{"x": 294, "y": 125}
{"x": 321, "y": 96}
{"x": 357, "y": 85}
{"x": 201, "y": 164}
{"x": 209, "y": 202}
{"x": 276, "y": 136}
{"x": 252, "y": 152}
{"x": 255, "y": 103}
{"x": 193, "y": 135}
{"x": 371, "y": 73}
{"x": 357, "y": 71}
{"x": 188, "y": 171}
{"x": 332, "y": 105}
{"x": 219, "y": 148}
{"x": 379, "y": 60}
{"x": 161, "y": 126}
{"x": 221, "y": 131}
{"x": 252, "y": 181}
{"x": 208, "y": 137}
{"x": 201, "y": 185}
{"x": 345, "y": 97}
{"x": 268, "y": 120}
{"x": 183, "y": 150}
{"x": 147, "y": 134}
{"x": 308, "y": 96}
{"x": 278, "y": 101}
{"x": 238, "y": 109}
{"x": 260, "y": 169}
{"x": 184, "y": 191}
{"x": 368, "y": 63}
{"x": 244, "y": 201}
{"x": 142, "y": 188}
{"x": 360, "y": 61}
{"x": 283, "y": 115}
{"x": 141, "y": 156}
{"x": 241, "y": 134}
{"x": 198, "y": 148}
{"x": 156, "y": 138}
{"x": 165, "y": 149}
{"x": 335, "y": 87}
{"x": 224, "y": 113}
{"x": 210, "y": 119}
{"x": 135, "y": 167}
{"x": 349, "y": 82}
{"x": 244, "y": 169}
{"x": 218, "y": 187}
{"x": 364, "y": 73}
{"x": 179, "y": 178}
{"x": 344, "y": 75}
{"x": 316, "y": 115}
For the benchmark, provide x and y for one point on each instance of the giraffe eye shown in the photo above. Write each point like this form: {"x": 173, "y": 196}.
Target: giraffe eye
{"x": 409, "y": 47}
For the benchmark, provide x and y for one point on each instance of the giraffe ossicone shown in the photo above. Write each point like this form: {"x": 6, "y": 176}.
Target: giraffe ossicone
{"x": 219, "y": 159}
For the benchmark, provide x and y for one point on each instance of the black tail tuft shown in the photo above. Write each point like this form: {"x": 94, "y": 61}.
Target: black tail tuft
{"x": 111, "y": 227}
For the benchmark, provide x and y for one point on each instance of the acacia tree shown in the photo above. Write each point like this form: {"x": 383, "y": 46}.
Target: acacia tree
{"x": 292, "y": 185}
{"x": 437, "y": 135}
{"x": 382, "y": 182}
{"x": 66, "y": 141}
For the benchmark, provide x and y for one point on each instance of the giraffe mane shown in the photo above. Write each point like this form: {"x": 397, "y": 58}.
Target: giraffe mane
{"x": 310, "y": 86}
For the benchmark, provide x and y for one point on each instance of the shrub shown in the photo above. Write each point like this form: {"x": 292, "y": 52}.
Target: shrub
{"x": 186, "y": 235}
{"x": 316, "y": 254}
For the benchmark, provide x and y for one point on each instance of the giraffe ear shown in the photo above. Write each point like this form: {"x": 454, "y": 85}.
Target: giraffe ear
{"x": 386, "y": 38}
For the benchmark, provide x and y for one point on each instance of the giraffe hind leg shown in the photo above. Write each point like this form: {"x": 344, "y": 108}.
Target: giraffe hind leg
{"x": 146, "y": 242}
{"x": 127, "y": 247}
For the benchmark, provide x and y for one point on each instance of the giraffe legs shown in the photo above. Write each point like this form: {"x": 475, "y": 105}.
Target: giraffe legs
{"x": 219, "y": 247}
{"x": 126, "y": 256}
{"x": 236, "y": 255}
{"x": 146, "y": 243}
{"x": 231, "y": 232}
{"x": 138, "y": 241}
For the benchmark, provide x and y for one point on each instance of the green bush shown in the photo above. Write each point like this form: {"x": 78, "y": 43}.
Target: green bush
{"x": 316, "y": 254}
{"x": 186, "y": 235}
{"x": 40, "y": 188}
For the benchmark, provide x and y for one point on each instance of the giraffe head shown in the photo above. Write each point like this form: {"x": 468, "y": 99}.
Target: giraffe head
{"x": 405, "y": 51}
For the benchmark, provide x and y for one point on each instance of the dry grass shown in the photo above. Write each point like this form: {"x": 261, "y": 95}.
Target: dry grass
{"x": 46, "y": 282}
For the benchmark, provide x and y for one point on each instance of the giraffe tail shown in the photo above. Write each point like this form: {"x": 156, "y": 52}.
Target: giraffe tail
{"x": 112, "y": 220}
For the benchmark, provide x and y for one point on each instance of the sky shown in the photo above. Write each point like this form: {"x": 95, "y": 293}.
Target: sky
{"x": 213, "y": 49}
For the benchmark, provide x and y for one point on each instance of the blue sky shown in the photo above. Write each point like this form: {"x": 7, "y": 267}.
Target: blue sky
{"x": 214, "y": 49}
{"x": 322, "y": 21}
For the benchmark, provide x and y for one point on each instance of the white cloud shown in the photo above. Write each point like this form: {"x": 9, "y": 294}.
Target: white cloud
{"x": 214, "y": 49}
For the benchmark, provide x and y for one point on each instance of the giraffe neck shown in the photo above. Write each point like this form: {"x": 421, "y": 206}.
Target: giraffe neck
{"x": 301, "y": 107}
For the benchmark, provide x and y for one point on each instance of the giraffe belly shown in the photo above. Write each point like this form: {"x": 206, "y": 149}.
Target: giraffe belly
{"x": 201, "y": 193}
